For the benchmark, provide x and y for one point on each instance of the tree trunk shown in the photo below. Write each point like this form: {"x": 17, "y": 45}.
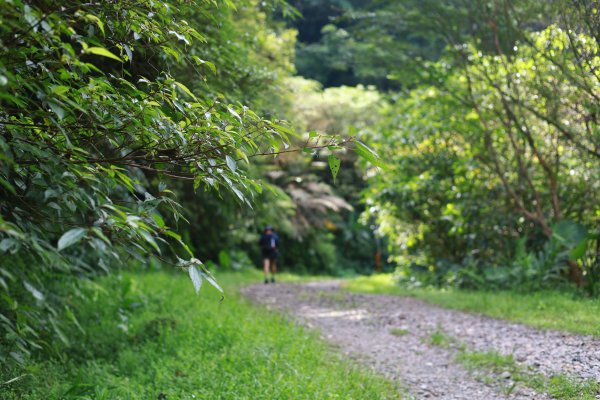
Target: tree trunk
{"x": 575, "y": 274}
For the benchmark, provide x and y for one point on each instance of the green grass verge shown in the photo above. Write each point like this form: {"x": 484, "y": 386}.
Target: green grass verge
{"x": 148, "y": 336}
{"x": 546, "y": 310}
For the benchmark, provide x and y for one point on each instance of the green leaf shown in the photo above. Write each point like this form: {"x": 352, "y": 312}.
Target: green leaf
{"x": 579, "y": 251}
{"x": 34, "y": 292}
{"x": 160, "y": 222}
{"x": 97, "y": 21}
{"x": 213, "y": 282}
{"x": 238, "y": 193}
{"x": 334, "y": 165}
{"x": 211, "y": 66}
{"x": 98, "y": 232}
{"x": 7, "y": 185}
{"x": 174, "y": 235}
{"x": 73, "y": 318}
{"x": 573, "y": 236}
{"x": 569, "y": 233}
{"x": 186, "y": 248}
{"x": 59, "y": 332}
{"x": 196, "y": 278}
{"x": 101, "y": 51}
{"x": 366, "y": 153}
{"x": 60, "y": 89}
{"x": 128, "y": 52}
{"x": 231, "y": 163}
{"x": 284, "y": 129}
{"x": 57, "y": 109}
{"x": 234, "y": 113}
{"x": 71, "y": 237}
{"x": 186, "y": 90}
{"x": 148, "y": 238}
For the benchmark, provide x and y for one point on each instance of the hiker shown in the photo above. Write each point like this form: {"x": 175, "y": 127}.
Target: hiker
{"x": 269, "y": 242}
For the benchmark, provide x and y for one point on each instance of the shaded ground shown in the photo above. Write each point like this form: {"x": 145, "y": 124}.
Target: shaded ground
{"x": 393, "y": 335}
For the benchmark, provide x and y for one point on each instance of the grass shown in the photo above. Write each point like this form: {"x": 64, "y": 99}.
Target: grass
{"x": 148, "y": 336}
{"x": 399, "y": 332}
{"x": 545, "y": 310}
{"x": 439, "y": 338}
{"x": 294, "y": 278}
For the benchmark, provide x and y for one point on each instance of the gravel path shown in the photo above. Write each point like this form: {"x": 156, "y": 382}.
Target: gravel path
{"x": 361, "y": 326}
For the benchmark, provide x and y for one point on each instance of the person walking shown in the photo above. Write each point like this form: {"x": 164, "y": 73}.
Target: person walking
{"x": 269, "y": 245}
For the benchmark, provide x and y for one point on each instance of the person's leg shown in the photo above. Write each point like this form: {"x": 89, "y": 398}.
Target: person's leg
{"x": 266, "y": 269}
{"x": 273, "y": 269}
{"x": 274, "y": 266}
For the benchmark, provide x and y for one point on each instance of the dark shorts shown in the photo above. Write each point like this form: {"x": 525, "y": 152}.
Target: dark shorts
{"x": 270, "y": 254}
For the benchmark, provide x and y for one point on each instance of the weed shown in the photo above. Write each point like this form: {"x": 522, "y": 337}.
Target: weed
{"x": 399, "y": 331}
{"x": 439, "y": 338}
{"x": 491, "y": 360}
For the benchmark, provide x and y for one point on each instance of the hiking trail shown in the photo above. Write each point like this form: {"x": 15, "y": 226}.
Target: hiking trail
{"x": 393, "y": 336}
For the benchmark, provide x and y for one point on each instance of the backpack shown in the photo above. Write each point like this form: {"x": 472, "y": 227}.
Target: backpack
{"x": 268, "y": 242}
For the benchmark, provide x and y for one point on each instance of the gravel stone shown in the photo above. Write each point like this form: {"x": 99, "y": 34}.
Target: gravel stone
{"x": 359, "y": 326}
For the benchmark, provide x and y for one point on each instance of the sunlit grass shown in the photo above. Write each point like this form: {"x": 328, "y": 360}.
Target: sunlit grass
{"x": 148, "y": 336}
{"x": 287, "y": 277}
{"x": 399, "y": 332}
{"x": 547, "y": 310}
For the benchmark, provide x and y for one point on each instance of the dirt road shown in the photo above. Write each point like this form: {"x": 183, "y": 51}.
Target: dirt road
{"x": 417, "y": 344}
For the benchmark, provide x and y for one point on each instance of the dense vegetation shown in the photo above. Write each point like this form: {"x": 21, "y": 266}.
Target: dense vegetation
{"x": 490, "y": 135}
{"x": 497, "y": 178}
{"x": 167, "y": 134}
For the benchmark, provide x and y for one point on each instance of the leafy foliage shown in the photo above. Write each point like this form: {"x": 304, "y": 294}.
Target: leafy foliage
{"x": 123, "y": 122}
{"x": 93, "y": 128}
{"x": 502, "y": 146}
